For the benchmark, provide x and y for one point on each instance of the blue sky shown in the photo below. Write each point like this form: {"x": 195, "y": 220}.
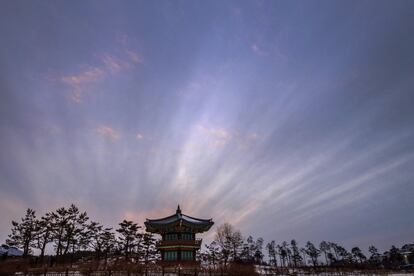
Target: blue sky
{"x": 286, "y": 119}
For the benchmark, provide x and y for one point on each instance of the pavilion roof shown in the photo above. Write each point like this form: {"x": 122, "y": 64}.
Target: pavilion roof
{"x": 178, "y": 222}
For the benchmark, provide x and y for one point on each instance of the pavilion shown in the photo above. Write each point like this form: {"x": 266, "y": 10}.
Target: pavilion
{"x": 178, "y": 231}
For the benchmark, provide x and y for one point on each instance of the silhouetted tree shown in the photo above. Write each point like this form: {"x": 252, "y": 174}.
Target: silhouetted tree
{"x": 324, "y": 247}
{"x": 249, "y": 247}
{"x": 395, "y": 258}
{"x": 101, "y": 240}
{"x": 331, "y": 258}
{"x": 229, "y": 240}
{"x": 44, "y": 229}
{"x": 107, "y": 239}
{"x": 341, "y": 254}
{"x": 128, "y": 231}
{"x": 258, "y": 254}
{"x": 23, "y": 233}
{"x": 374, "y": 252}
{"x": 303, "y": 251}
{"x": 271, "y": 249}
{"x": 334, "y": 246}
{"x": 312, "y": 252}
{"x": 282, "y": 253}
{"x": 288, "y": 253}
{"x": 59, "y": 221}
{"x": 358, "y": 255}
{"x": 296, "y": 257}
{"x": 149, "y": 248}
{"x": 213, "y": 253}
{"x": 76, "y": 236}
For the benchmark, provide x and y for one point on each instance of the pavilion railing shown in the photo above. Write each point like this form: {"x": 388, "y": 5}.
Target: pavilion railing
{"x": 196, "y": 242}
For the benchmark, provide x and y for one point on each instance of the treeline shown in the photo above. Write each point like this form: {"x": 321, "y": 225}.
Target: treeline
{"x": 68, "y": 232}
{"x": 71, "y": 235}
{"x": 229, "y": 246}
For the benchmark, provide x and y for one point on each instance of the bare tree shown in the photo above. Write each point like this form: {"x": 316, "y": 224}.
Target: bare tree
{"x": 229, "y": 240}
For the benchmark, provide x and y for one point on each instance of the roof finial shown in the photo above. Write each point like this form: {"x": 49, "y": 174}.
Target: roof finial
{"x": 178, "y": 209}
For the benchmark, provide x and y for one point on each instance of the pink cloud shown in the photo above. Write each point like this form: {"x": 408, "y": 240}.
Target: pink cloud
{"x": 89, "y": 75}
{"x": 76, "y": 96}
{"x": 77, "y": 82}
{"x": 114, "y": 64}
{"x": 108, "y": 132}
{"x": 109, "y": 64}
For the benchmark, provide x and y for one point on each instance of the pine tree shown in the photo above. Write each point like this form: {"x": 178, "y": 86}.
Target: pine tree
{"x": 312, "y": 252}
{"x": 358, "y": 255}
{"x": 59, "y": 222}
{"x": 283, "y": 253}
{"x": 258, "y": 254}
{"x": 213, "y": 253}
{"x": 75, "y": 230}
{"x": 24, "y": 233}
{"x": 324, "y": 247}
{"x": 149, "y": 248}
{"x": 128, "y": 234}
{"x": 296, "y": 257}
{"x": 44, "y": 230}
{"x": 271, "y": 249}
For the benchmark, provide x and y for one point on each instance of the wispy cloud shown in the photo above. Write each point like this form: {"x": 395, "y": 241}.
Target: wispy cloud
{"x": 268, "y": 129}
{"x": 216, "y": 136}
{"x": 114, "y": 64}
{"x": 108, "y": 64}
{"x": 108, "y": 132}
{"x": 86, "y": 76}
{"x": 134, "y": 57}
{"x": 78, "y": 82}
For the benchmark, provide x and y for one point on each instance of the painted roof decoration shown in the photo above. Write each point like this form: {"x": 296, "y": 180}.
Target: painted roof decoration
{"x": 178, "y": 223}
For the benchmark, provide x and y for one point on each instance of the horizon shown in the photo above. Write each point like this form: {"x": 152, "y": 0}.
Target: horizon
{"x": 285, "y": 119}
{"x": 210, "y": 234}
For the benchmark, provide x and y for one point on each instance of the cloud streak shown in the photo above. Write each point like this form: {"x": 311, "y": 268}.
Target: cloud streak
{"x": 208, "y": 113}
{"x": 109, "y": 65}
{"x": 108, "y": 132}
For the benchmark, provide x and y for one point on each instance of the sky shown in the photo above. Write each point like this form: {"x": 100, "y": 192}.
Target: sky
{"x": 286, "y": 119}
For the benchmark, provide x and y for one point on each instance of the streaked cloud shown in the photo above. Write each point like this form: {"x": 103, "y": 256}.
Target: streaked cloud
{"x": 217, "y": 137}
{"x": 133, "y": 56}
{"x": 78, "y": 82}
{"x": 86, "y": 76}
{"x": 107, "y": 65}
{"x": 108, "y": 132}
{"x": 114, "y": 64}
{"x": 273, "y": 116}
